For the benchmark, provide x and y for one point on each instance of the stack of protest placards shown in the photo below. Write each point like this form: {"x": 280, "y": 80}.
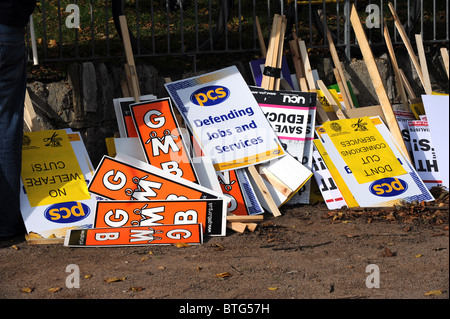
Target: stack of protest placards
{"x": 219, "y": 153}
{"x": 156, "y": 201}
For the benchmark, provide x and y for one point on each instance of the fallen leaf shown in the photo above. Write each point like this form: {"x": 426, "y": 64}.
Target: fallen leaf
{"x": 54, "y": 289}
{"x": 223, "y": 275}
{"x": 218, "y": 247}
{"x": 114, "y": 279}
{"x": 182, "y": 245}
{"x": 434, "y": 293}
{"x": 87, "y": 276}
{"x": 137, "y": 288}
{"x": 15, "y": 247}
{"x": 273, "y": 288}
{"x": 32, "y": 235}
{"x": 418, "y": 256}
{"x": 144, "y": 258}
{"x": 388, "y": 253}
{"x": 27, "y": 290}
{"x": 161, "y": 267}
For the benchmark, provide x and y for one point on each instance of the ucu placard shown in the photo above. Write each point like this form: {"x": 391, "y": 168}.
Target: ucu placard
{"x": 210, "y": 95}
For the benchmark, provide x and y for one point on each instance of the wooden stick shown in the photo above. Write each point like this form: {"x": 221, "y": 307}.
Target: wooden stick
{"x": 276, "y": 47}
{"x": 444, "y": 54}
{"x": 30, "y": 115}
{"x": 298, "y": 65}
{"x": 280, "y": 51}
{"x": 337, "y": 65}
{"x": 374, "y": 73}
{"x": 407, "y": 85}
{"x": 262, "y": 45}
{"x": 45, "y": 241}
{"x": 245, "y": 218}
{"x": 423, "y": 64}
{"x": 251, "y": 226}
{"x": 307, "y": 66}
{"x": 237, "y": 226}
{"x": 341, "y": 86}
{"x": 275, "y": 181}
{"x": 398, "y": 79}
{"x": 273, "y": 208}
{"x": 130, "y": 58}
{"x": 331, "y": 100}
{"x": 406, "y": 42}
{"x": 271, "y": 51}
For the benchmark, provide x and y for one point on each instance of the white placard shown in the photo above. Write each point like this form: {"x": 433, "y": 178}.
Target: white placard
{"x": 225, "y": 119}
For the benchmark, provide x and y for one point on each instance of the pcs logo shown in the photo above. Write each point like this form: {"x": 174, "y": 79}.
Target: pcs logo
{"x": 210, "y": 95}
{"x": 66, "y": 213}
{"x": 388, "y": 187}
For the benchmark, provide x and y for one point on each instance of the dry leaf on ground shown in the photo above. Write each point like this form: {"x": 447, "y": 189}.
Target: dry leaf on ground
{"x": 54, "y": 289}
{"x": 114, "y": 279}
{"x": 434, "y": 293}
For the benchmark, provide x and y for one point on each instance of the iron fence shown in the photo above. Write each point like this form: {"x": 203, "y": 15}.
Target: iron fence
{"x": 68, "y": 30}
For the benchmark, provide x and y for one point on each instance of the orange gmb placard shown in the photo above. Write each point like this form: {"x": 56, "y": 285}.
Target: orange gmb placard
{"x": 230, "y": 186}
{"x": 135, "y": 236}
{"x": 208, "y": 212}
{"x": 160, "y": 138}
{"x": 117, "y": 180}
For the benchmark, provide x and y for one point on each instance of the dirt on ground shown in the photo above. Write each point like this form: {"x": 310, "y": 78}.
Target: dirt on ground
{"x": 309, "y": 252}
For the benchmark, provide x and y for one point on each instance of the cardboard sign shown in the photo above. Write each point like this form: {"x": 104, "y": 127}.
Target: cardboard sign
{"x": 123, "y": 114}
{"x": 50, "y": 170}
{"x": 208, "y": 212}
{"x": 425, "y": 159}
{"x": 384, "y": 192}
{"x": 324, "y": 102}
{"x": 287, "y": 112}
{"x": 363, "y": 149}
{"x": 225, "y": 119}
{"x": 436, "y": 109}
{"x": 290, "y": 173}
{"x": 121, "y": 180}
{"x": 403, "y": 117}
{"x": 236, "y": 185}
{"x": 161, "y": 140}
{"x": 257, "y": 68}
{"x": 55, "y": 219}
{"x": 303, "y": 195}
{"x": 337, "y": 179}
{"x": 327, "y": 186}
{"x": 135, "y": 236}
{"x": 335, "y": 91}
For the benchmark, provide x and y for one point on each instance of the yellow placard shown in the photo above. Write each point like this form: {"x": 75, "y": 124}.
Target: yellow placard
{"x": 417, "y": 109}
{"x": 50, "y": 170}
{"x": 343, "y": 188}
{"x": 337, "y": 96}
{"x": 363, "y": 149}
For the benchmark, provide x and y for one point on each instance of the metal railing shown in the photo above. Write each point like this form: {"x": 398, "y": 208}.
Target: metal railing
{"x": 68, "y": 30}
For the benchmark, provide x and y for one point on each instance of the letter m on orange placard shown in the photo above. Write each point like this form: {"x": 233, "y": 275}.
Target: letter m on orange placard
{"x": 160, "y": 138}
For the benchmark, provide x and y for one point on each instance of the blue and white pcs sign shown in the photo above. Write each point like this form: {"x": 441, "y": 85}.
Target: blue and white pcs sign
{"x": 226, "y": 120}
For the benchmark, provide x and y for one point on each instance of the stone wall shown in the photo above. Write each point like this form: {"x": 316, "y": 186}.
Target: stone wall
{"x": 84, "y": 100}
